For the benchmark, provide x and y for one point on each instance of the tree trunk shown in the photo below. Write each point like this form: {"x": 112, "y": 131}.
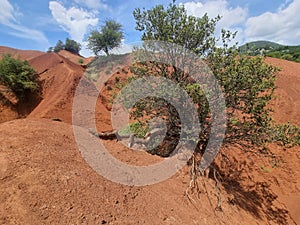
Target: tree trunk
{"x": 106, "y": 51}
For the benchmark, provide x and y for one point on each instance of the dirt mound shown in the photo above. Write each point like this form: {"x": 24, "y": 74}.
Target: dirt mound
{"x": 77, "y": 59}
{"x": 44, "y": 180}
{"x": 8, "y": 94}
{"x": 287, "y": 103}
{"x": 45, "y": 62}
{"x": 7, "y": 110}
{"x": 21, "y": 54}
{"x": 59, "y": 78}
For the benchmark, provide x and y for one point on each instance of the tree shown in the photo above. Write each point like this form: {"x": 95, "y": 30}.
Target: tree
{"x": 175, "y": 26}
{"x": 59, "y": 46}
{"x": 72, "y": 46}
{"x": 50, "y": 49}
{"x": 18, "y": 75}
{"x": 247, "y": 83}
{"x": 107, "y": 39}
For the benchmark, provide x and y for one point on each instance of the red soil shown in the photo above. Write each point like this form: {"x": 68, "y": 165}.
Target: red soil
{"x": 45, "y": 180}
{"x": 59, "y": 78}
{"x": 287, "y": 103}
{"x": 75, "y": 58}
{"x": 21, "y": 54}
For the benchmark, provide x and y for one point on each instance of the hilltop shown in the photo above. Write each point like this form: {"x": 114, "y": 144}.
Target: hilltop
{"x": 272, "y": 49}
{"x": 255, "y": 45}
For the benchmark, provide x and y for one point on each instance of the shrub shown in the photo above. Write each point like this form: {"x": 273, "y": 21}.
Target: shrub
{"x": 80, "y": 61}
{"x": 139, "y": 129}
{"x": 18, "y": 75}
{"x": 72, "y": 46}
{"x": 247, "y": 82}
{"x": 59, "y": 46}
{"x": 69, "y": 45}
{"x": 286, "y": 134}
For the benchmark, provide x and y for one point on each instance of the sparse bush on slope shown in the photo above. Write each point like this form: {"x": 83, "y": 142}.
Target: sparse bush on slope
{"x": 19, "y": 76}
{"x": 69, "y": 45}
{"x": 72, "y": 46}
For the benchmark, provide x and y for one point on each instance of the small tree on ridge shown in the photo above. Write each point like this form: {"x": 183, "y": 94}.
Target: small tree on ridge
{"x": 109, "y": 37}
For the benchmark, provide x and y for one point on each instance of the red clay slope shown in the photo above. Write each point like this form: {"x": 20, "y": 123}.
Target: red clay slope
{"x": 59, "y": 78}
{"x": 75, "y": 58}
{"x": 287, "y": 103}
{"x": 8, "y": 110}
{"x": 21, "y": 54}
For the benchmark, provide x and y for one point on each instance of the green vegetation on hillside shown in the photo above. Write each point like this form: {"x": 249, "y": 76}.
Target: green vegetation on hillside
{"x": 140, "y": 129}
{"x": 69, "y": 45}
{"x": 271, "y": 49}
{"x": 18, "y": 75}
{"x": 257, "y": 45}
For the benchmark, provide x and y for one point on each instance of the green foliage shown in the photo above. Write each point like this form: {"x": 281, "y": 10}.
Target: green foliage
{"x": 248, "y": 85}
{"x": 286, "y": 134}
{"x": 119, "y": 85}
{"x": 69, "y": 45}
{"x": 80, "y": 61}
{"x": 50, "y": 49}
{"x": 265, "y": 169}
{"x": 287, "y": 57}
{"x": 18, "y": 75}
{"x": 173, "y": 25}
{"x": 139, "y": 129}
{"x": 72, "y": 46}
{"x": 109, "y": 37}
{"x": 274, "y": 54}
{"x": 271, "y": 49}
{"x": 256, "y": 46}
{"x": 247, "y": 82}
{"x": 59, "y": 46}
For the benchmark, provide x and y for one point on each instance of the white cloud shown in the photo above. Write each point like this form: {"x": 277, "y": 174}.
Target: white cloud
{"x": 285, "y": 4}
{"x": 281, "y": 26}
{"x": 232, "y": 18}
{"x": 85, "y": 52}
{"x": 123, "y": 49}
{"x": 92, "y": 4}
{"x": 75, "y": 21}
{"x": 24, "y": 32}
{"x": 8, "y": 18}
{"x": 6, "y": 12}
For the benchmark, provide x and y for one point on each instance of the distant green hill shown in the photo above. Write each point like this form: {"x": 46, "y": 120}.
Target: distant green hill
{"x": 258, "y": 45}
{"x": 272, "y": 49}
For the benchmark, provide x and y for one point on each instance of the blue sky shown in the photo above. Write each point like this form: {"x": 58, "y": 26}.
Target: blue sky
{"x": 39, "y": 24}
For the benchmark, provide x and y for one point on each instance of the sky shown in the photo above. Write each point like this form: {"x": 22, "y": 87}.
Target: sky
{"x": 39, "y": 24}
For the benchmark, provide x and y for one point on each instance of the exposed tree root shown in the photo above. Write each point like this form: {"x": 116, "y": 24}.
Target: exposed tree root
{"x": 132, "y": 138}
